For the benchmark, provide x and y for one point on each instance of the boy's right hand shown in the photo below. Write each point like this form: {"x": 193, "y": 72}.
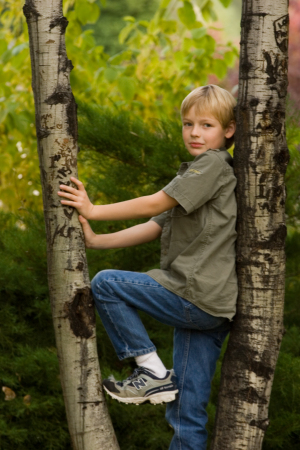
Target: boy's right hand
{"x": 89, "y": 235}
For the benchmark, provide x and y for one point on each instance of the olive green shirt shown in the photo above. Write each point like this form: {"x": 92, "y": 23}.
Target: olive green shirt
{"x": 198, "y": 235}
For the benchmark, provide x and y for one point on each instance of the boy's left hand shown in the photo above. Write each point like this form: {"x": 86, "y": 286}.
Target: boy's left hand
{"x": 77, "y": 198}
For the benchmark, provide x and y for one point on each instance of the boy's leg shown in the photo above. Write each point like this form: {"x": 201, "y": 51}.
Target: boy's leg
{"x": 195, "y": 356}
{"x": 120, "y": 294}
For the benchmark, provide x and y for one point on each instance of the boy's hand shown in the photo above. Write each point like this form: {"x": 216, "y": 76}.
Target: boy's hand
{"x": 78, "y": 198}
{"x": 89, "y": 235}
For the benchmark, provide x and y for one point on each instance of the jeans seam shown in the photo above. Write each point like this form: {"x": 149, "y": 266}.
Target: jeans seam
{"x": 159, "y": 286}
{"x": 112, "y": 322}
{"x": 185, "y": 355}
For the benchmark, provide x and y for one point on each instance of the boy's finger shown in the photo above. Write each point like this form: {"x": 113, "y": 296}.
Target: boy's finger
{"x": 64, "y": 187}
{"x": 82, "y": 219}
{"x": 78, "y": 183}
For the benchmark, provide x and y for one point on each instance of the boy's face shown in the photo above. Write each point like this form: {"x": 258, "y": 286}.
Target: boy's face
{"x": 202, "y": 132}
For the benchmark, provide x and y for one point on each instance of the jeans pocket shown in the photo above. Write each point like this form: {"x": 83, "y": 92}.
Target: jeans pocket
{"x": 201, "y": 320}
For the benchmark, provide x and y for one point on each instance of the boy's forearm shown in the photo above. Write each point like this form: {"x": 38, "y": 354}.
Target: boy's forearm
{"x": 136, "y": 235}
{"x": 138, "y": 208}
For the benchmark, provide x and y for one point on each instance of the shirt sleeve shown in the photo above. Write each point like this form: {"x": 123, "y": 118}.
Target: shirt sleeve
{"x": 160, "y": 219}
{"x": 200, "y": 183}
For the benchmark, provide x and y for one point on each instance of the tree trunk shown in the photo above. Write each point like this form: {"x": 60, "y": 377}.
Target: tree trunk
{"x": 260, "y": 161}
{"x": 72, "y": 304}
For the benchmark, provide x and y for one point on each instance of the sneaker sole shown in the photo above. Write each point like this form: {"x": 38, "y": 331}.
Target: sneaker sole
{"x": 156, "y": 399}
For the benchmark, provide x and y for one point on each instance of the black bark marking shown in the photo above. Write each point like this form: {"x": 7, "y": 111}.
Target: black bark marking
{"x": 262, "y": 424}
{"x": 29, "y": 10}
{"x": 72, "y": 118}
{"x": 276, "y": 240}
{"x": 250, "y": 395}
{"x": 63, "y": 172}
{"x": 81, "y": 313}
{"x": 69, "y": 266}
{"x": 246, "y": 358}
{"x": 61, "y": 22}
{"x": 80, "y": 266}
{"x": 69, "y": 213}
{"x": 42, "y": 133}
{"x": 281, "y": 159}
{"x": 60, "y": 231}
{"x": 60, "y": 95}
{"x": 254, "y": 102}
{"x": 281, "y": 31}
{"x": 53, "y": 159}
{"x": 272, "y": 121}
{"x": 277, "y": 66}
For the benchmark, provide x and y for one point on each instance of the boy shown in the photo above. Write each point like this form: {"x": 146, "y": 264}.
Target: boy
{"x": 196, "y": 288}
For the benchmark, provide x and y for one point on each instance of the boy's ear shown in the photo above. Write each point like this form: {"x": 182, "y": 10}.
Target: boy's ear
{"x": 230, "y": 130}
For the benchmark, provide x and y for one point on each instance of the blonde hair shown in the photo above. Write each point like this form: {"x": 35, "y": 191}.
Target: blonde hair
{"x": 212, "y": 99}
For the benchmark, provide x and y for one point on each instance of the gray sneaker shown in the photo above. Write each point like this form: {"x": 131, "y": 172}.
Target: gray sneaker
{"x": 143, "y": 386}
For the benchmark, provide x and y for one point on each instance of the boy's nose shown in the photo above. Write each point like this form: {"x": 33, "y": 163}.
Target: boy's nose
{"x": 195, "y": 131}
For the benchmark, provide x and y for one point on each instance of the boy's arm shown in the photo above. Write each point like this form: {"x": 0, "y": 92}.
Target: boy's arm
{"x": 138, "y": 234}
{"x": 148, "y": 206}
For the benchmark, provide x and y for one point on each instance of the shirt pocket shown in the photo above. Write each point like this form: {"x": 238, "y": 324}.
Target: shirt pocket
{"x": 184, "y": 227}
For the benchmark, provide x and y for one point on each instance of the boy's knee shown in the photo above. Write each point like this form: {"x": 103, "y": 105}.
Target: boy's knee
{"x": 100, "y": 280}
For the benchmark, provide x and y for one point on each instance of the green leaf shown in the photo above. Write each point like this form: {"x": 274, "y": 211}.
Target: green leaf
{"x": 119, "y": 57}
{"x": 164, "y": 3}
{"x": 86, "y": 12}
{"x": 110, "y": 74}
{"x": 125, "y": 32}
{"x": 208, "y": 12}
{"x": 144, "y": 23}
{"x": 103, "y": 2}
{"x": 168, "y": 26}
{"x": 127, "y": 87}
{"x": 219, "y": 68}
{"x": 229, "y": 58}
{"x": 198, "y": 33}
{"x": 187, "y": 15}
{"x": 129, "y": 19}
{"x": 16, "y": 50}
{"x": 226, "y": 3}
{"x": 209, "y": 44}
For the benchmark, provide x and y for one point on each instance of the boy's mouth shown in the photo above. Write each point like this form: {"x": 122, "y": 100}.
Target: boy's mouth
{"x": 196, "y": 144}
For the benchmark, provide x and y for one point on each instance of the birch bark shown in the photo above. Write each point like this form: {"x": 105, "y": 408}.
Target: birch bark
{"x": 260, "y": 161}
{"x": 72, "y": 304}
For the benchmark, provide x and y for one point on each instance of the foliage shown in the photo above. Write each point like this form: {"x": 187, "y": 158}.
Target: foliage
{"x": 161, "y": 59}
{"x": 139, "y": 162}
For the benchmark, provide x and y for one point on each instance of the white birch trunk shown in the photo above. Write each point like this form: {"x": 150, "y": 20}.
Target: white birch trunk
{"x": 260, "y": 160}
{"x": 72, "y": 304}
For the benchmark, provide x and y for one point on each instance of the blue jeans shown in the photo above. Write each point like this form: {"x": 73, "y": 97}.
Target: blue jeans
{"x": 198, "y": 337}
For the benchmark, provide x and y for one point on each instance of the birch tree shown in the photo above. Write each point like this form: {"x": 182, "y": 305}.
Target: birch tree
{"x": 72, "y": 304}
{"x": 260, "y": 161}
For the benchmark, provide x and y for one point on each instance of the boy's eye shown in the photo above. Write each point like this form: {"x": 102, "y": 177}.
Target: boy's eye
{"x": 207, "y": 125}
{"x": 187, "y": 124}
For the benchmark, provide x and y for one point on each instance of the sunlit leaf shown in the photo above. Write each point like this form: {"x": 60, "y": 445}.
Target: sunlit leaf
{"x": 127, "y": 87}
{"x": 164, "y": 3}
{"x": 208, "y": 12}
{"x": 119, "y": 57}
{"x": 187, "y": 14}
{"x": 87, "y": 12}
{"x": 225, "y": 3}
{"x": 198, "y": 33}
{"x": 129, "y": 19}
{"x": 219, "y": 68}
{"x": 110, "y": 74}
{"x": 168, "y": 26}
{"x": 124, "y": 33}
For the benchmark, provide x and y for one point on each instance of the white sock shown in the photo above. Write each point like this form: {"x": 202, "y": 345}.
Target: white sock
{"x": 152, "y": 362}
